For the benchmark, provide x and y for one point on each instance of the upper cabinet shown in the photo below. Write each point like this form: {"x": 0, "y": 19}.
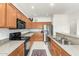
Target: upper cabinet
{"x": 22, "y": 17}
{"x": 2, "y": 14}
{"x": 18, "y": 14}
{"x": 28, "y": 23}
{"x": 11, "y": 16}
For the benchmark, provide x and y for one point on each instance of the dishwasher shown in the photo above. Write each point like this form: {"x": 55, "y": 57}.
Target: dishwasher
{"x": 26, "y": 44}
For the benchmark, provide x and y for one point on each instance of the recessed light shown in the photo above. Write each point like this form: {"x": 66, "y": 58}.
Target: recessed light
{"x": 33, "y": 7}
{"x": 51, "y": 4}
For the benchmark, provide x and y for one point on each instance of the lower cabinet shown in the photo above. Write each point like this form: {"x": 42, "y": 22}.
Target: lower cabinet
{"x": 18, "y": 52}
{"x": 38, "y": 36}
{"x": 64, "y": 53}
{"x": 56, "y": 50}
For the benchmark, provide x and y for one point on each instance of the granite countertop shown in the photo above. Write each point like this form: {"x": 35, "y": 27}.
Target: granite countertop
{"x": 70, "y": 35}
{"x": 28, "y": 34}
{"x": 39, "y": 45}
{"x": 9, "y": 46}
{"x": 73, "y": 50}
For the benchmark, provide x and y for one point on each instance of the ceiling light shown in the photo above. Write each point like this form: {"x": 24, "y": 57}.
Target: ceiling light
{"x": 51, "y": 4}
{"x": 33, "y": 7}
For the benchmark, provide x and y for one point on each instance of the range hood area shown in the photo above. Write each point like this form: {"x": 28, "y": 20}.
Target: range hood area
{"x": 31, "y": 19}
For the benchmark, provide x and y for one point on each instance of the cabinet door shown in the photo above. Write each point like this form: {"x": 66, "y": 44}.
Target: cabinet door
{"x": 2, "y": 14}
{"x": 18, "y": 14}
{"x": 64, "y": 53}
{"x": 11, "y": 16}
{"x": 23, "y": 17}
{"x": 56, "y": 51}
{"x": 20, "y": 50}
{"x": 29, "y": 23}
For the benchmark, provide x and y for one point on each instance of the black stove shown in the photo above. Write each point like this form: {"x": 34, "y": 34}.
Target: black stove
{"x": 18, "y": 36}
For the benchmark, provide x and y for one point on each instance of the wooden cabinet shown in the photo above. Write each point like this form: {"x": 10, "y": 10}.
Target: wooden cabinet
{"x": 8, "y": 15}
{"x": 55, "y": 49}
{"x": 2, "y": 14}
{"x": 39, "y": 24}
{"x": 14, "y": 53}
{"x": 28, "y": 23}
{"x": 18, "y": 15}
{"x": 24, "y": 17}
{"x": 19, "y": 51}
{"x": 64, "y": 53}
{"x": 38, "y": 36}
{"x": 11, "y": 16}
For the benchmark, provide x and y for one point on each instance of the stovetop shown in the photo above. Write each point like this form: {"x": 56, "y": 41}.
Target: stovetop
{"x": 39, "y": 52}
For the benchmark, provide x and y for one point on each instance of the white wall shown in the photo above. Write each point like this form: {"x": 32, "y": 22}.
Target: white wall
{"x": 41, "y": 19}
{"x": 78, "y": 26}
{"x": 60, "y": 23}
{"x": 74, "y": 17}
{"x": 73, "y": 24}
{"x": 70, "y": 24}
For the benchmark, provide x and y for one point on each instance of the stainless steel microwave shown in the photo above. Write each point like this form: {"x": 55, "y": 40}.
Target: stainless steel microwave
{"x": 20, "y": 24}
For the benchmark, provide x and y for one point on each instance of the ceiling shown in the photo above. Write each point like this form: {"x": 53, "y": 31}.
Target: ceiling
{"x": 44, "y": 9}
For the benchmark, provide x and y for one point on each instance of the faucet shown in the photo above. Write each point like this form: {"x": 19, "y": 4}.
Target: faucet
{"x": 63, "y": 41}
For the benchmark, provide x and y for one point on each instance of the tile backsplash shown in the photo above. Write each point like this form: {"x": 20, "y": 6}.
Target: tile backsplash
{"x": 4, "y": 32}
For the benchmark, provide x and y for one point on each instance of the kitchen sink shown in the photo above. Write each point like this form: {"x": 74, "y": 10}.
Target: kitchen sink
{"x": 66, "y": 42}
{"x": 63, "y": 43}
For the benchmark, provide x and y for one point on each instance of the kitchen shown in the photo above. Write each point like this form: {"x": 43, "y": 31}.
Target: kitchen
{"x": 40, "y": 33}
